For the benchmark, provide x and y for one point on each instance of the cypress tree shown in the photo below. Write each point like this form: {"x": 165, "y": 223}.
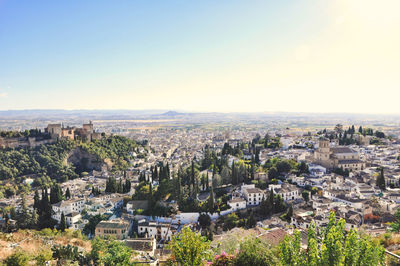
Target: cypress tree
{"x": 252, "y": 171}
{"x": 192, "y": 174}
{"x": 150, "y": 191}
{"x": 179, "y": 186}
{"x": 207, "y": 182}
{"x": 155, "y": 173}
{"x": 251, "y": 222}
{"x": 113, "y": 185}
{"x": 67, "y": 194}
{"x": 289, "y": 214}
{"x": 168, "y": 171}
{"x": 55, "y": 194}
{"x": 36, "y": 201}
{"x": 271, "y": 199}
{"x": 127, "y": 186}
{"x": 63, "y": 224}
{"x": 380, "y": 181}
{"x": 119, "y": 187}
{"x": 41, "y": 209}
{"x": 257, "y": 156}
{"x": 233, "y": 173}
{"x": 45, "y": 219}
{"x": 161, "y": 173}
{"x": 211, "y": 200}
{"x": 52, "y": 195}
{"x": 107, "y": 186}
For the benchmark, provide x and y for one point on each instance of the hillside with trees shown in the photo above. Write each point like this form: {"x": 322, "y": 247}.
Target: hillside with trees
{"x": 48, "y": 163}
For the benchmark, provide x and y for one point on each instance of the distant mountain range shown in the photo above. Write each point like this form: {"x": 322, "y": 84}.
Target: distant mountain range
{"x": 59, "y": 114}
{"x": 173, "y": 113}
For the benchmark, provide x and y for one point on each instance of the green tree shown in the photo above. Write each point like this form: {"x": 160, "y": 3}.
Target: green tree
{"x": 117, "y": 253}
{"x": 291, "y": 253}
{"x": 211, "y": 203}
{"x": 189, "y": 248}
{"x": 303, "y": 168}
{"x": 90, "y": 227}
{"x": 63, "y": 224}
{"x": 395, "y": 226}
{"x": 36, "y": 200}
{"x": 230, "y": 221}
{"x": 56, "y": 194}
{"x": 312, "y": 246}
{"x": 380, "y": 180}
{"x": 289, "y": 214}
{"x": 24, "y": 216}
{"x": 45, "y": 212}
{"x": 111, "y": 185}
{"x": 204, "y": 220}
{"x": 255, "y": 252}
{"x": 272, "y": 173}
{"x": 127, "y": 186}
{"x": 314, "y": 190}
{"x": 306, "y": 196}
{"x": 251, "y": 222}
{"x": 67, "y": 194}
{"x": 335, "y": 247}
{"x": 352, "y": 252}
{"x": 109, "y": 252}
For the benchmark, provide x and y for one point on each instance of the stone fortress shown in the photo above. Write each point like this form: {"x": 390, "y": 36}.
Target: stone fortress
{"x": 86, "y": 132}
{"x": 52, "y": 133}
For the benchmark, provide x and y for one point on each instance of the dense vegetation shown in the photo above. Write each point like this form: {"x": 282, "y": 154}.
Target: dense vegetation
{"x": 332, "y": 246}
{"x": 347, "y": 136}
{"x": 32, "y": 133}
{"x": 78, "y": 251}
{"x": 116, "y": 148}
{"x": 48, "y": 162}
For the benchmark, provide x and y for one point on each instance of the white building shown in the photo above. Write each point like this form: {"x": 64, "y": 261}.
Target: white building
{"x": 253, "y": 196}
{"x": 67, "y": 207}
{"x": 156, "y": 230}
{"x": 316, "y": 170}
{"x": 288, "y": 192}
{"x": 237, "y": 204}
{"x": 73, "y": 220}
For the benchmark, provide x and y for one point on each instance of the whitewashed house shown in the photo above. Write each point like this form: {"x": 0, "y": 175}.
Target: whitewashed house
{"x": 237, "y": 204}
{"x": 67, "y": 207}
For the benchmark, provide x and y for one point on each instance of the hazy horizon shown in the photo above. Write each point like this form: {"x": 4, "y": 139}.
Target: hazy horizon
{"x": 183, "y": 112}
{"x": 226, "y": 56}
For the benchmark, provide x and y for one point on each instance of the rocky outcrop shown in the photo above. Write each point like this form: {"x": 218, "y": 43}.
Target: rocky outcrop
{"x": 85, "y": 161}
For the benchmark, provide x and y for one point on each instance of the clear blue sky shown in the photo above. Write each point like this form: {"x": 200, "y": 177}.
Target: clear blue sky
{"x": 195, "y": 55}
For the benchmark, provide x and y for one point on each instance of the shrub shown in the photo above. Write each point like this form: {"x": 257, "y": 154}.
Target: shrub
{"x": 19, "y": 258}
{"x": 43, "y": 257}
{"x": 224, "y": 260}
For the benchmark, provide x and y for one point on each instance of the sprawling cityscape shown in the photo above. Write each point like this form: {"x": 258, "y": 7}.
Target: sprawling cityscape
{"x": 228, "y": 182}
{"x": 189, "y": 133}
